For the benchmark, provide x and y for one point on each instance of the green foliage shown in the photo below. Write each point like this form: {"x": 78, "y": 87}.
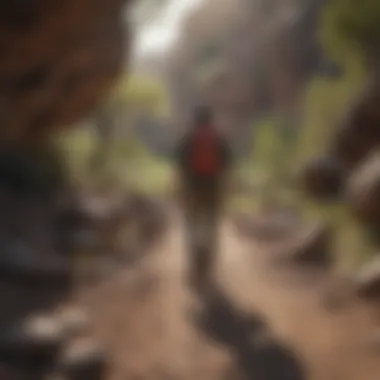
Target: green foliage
{"x": 325, "y": 102}
{"x": 147, "y": 174}
{"x": 267, "y": 169}
{"x": 273, "y": 149}
{"x": 351, "y": 26}
{"x": 258, "y": 168}
{"x": 130, "y": 163}
{"x": 111, "y": 143}
{"x": 267, "y": 143}
{"x": 243, "y": 203}
{"x": 77, "y": 146}
{"x": 139, "y": 93}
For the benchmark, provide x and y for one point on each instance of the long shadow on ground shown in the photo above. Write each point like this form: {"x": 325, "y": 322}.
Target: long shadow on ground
{"x": 221, "y": 321}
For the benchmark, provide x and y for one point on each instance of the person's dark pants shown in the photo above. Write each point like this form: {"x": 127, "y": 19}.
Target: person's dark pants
{"x": 202, "y": 215}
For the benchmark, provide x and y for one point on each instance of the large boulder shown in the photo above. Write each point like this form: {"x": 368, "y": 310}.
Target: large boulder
{"x": 356, "y": 136}
{"x": 59, "y": 59}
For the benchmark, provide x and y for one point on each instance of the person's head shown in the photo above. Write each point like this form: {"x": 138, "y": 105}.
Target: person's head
{"x": 202, "y": 115}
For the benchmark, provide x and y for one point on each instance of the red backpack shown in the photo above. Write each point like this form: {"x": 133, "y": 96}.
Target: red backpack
{"x": 205, "y": 155}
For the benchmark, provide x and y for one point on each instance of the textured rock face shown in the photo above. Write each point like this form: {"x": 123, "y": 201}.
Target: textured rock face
{"x": 58, "y": 60}
{"x": 351, "y": 171}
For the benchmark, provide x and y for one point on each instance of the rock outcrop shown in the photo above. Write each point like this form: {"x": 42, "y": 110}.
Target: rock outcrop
{"x": 58, "y": 62}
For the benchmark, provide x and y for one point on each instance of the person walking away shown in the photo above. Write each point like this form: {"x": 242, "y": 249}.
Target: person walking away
{"x": 203, "y": 161}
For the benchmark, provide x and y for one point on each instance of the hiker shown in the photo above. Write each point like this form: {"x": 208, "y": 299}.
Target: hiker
{"x": 203, "y": 158}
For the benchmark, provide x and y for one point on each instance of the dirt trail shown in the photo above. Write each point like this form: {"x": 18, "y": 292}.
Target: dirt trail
{"x": 157, "y": 330}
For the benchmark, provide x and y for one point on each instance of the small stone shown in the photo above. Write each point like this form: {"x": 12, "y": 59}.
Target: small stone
{"x": 32, "y": 344}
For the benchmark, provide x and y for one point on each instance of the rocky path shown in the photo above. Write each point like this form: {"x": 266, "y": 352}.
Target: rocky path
{"x": 265, "y": 319}
{"x": 263, "y": 322}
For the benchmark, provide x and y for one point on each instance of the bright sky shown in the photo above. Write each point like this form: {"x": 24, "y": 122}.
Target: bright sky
{"x": 162, "y": 33}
